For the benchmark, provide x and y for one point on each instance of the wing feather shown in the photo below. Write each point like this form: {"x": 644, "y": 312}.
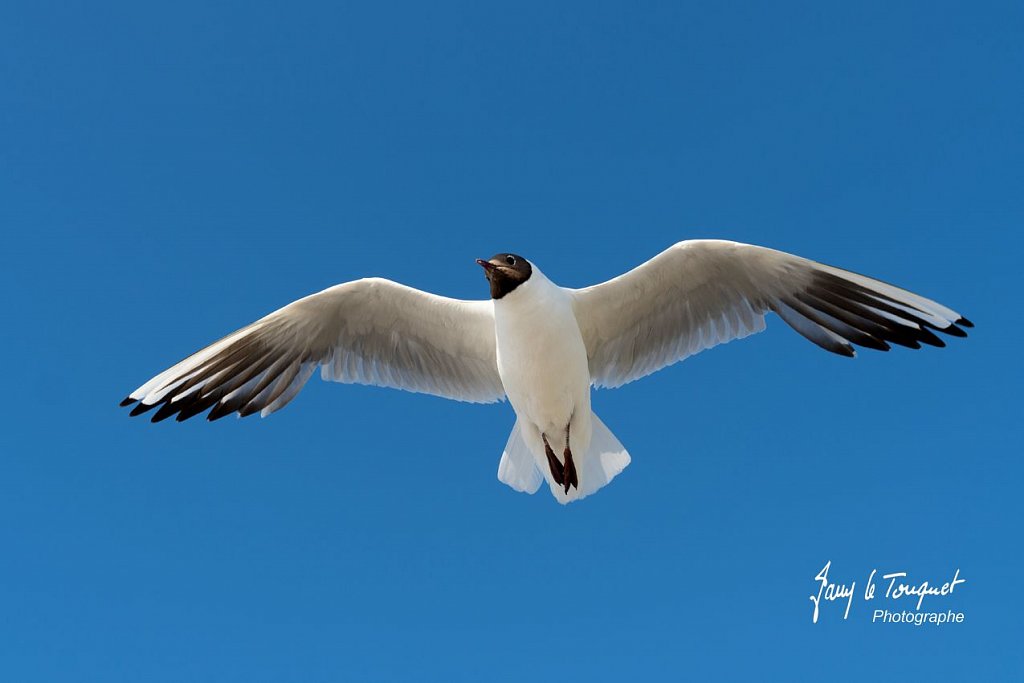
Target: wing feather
{"x": 701, "y": 293}
{"x": 370, "y": 331}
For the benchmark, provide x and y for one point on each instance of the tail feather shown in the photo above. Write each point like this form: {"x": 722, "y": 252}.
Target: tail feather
{"x": 518, "y": 468}
{"x": 521, "y": 469}
{"x": 605, "y": 458}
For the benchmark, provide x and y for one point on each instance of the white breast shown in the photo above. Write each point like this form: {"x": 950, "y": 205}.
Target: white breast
{"x": 542, "y": 360}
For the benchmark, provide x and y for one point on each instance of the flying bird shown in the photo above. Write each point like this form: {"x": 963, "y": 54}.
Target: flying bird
{"x": 542, "y": 346}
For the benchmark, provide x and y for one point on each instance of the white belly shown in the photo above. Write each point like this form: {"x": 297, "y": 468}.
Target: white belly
{"x": 543, "y": 365}
{"x": 545, "y": 377}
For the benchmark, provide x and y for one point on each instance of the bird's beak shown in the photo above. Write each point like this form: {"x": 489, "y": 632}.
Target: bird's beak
{"x": 486, "y": 265}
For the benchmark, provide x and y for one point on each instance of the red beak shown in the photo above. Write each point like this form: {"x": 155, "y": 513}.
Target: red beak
{"x": 487, "y": 265}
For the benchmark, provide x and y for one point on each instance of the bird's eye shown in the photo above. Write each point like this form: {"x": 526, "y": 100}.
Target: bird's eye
{"x": 511, "y": 260}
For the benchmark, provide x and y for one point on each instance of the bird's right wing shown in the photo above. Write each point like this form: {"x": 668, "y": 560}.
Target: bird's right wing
{"x": 370, "y": 331}
{"x": 701, "y": 293}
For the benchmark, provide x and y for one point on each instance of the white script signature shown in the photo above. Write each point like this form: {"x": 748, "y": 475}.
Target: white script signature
{"x": 896, "y": 589}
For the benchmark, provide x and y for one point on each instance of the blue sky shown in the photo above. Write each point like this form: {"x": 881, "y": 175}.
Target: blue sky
{"x": 169, "y": 173}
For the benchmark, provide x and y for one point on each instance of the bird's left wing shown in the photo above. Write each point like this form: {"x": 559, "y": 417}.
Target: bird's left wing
{"x": 370, "y": 331}
{"x": 701, "y": 293}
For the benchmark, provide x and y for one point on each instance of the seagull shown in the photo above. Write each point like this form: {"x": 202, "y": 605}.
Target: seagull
{"x": 541, "y": 346}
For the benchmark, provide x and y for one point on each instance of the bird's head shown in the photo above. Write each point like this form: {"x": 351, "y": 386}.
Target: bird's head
{"x": 505, "y": 272}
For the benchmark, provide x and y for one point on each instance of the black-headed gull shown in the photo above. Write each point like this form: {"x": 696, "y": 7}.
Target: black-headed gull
{"x": 542, "y": 346}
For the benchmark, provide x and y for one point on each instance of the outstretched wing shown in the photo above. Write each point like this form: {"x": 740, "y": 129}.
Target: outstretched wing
{"x": 370, "y": 331}
{"x": 701, "y": 293}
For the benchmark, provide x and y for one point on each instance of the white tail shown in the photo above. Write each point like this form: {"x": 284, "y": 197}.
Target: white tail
{"x": 518, "y": 468}
{"x": 524, "y": 470}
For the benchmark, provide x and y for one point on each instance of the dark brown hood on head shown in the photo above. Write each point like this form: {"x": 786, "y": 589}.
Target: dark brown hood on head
{"x": 505, "y": 272}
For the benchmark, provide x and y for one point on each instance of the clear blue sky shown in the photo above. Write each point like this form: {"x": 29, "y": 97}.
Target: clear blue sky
{"x": 171, "y": 172}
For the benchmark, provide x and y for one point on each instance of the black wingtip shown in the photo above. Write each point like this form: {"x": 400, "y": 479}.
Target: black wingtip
{"x": 928, "y": 338}
{"x": 220, "y": 410}
{"x": 166, "y": 410}
{"x": 128, "y": 400}
{"x": 195, "y": 406}
{"x": 965, "y": 322}
{"x": 248, "y": 410}
{"x": 141, "y": 408}
{"x": 954, "y": 331}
